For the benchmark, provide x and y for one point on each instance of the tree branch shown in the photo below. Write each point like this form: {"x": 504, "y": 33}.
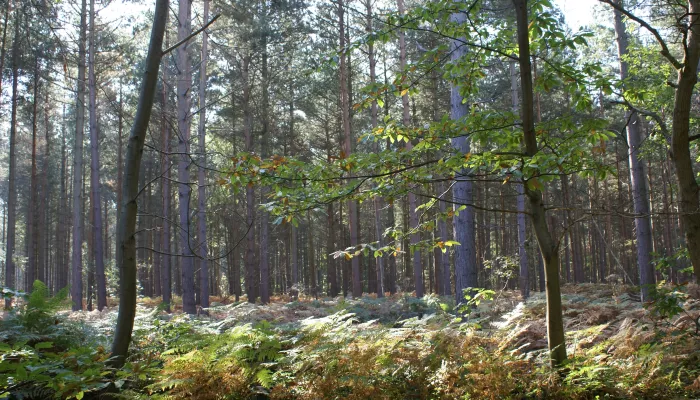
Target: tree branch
{"x": 193, "y": 34}
{"x": 664, "y": 48}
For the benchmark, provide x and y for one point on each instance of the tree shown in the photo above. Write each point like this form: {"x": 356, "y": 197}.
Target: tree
{"x": 548, "y": 247}
{"x": 353, "y": 219}
{"x": 462, "y": 192}
{"x": 10, "y": 268}
{"x": 77, "y": 248}
{"x": 96, "y": 203}
{"x": 201, "y": 195}
{"x": 184, "y": 85}
{"x": 686, "y": 78}
{"x": 126, "y": 231}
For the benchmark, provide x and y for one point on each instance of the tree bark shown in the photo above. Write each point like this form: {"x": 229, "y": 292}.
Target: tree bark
{"x": 126, "y": 231}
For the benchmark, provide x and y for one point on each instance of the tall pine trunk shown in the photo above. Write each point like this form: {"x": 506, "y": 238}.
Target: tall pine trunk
{"x": 347, "y": 149}
{"x": 201, "y": 178}
{"x": 640, "y": 190}
{"x": 462, "y": 191}
{"x": 165, "y": 166}
{"x": 10, "y": 268}
{"x": 96, "y": 203}
{"x": 184, "y": 84}
{"x": 77, "y": 249}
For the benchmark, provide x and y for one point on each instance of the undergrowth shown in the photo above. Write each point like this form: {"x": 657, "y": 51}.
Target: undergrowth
{"x": 369, "y": 348}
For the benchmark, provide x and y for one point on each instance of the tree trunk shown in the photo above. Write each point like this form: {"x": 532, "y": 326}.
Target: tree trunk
{"x": 126, "y": 231}
{"x": 640, "y": 191}
{"x": 412, "y": 201}
{"x": 77, "y": 257}
{"x": 462, "y": 191}
{"x": 10, "y": 268}
{"x": 347, "y": 149}
{"x": 680, "y": 147}
{"x": 264, "y": 144}
{"x": 184, "y": 84}
{"x": 548, "y": 247}
{"x": 43, "y": 250}
{"x": 33, "y": 209}
{"x": 250, "y": 275}
{"x": 522, "y": 225}
{"x": 97, "y": 244}
{"x": 201, "y": 178}
{"x": 165, "y": 166}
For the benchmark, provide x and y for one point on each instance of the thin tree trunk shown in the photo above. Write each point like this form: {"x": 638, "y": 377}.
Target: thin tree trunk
{"x": 10, "y": 268}
{"x": 412, "y": 201}
{"x": 264, "y": 144}
{"x": 347, "y": 149}
{"x": 165, "y": 165}
{"x": 42, "y": 273}
{"x": 548, "y": 247}
{"x": 640, "y": 191}
{"x": 522, "y": 224}
{"x": 97, "y": 244}
{"x": 120, "y": 161}
{"x": 250, "y": 270}
{"x": 201, "y": 178}
{"x": 33, "y": 209}
{"x": 126, "y": 231}
{"x": 77, "y": 256}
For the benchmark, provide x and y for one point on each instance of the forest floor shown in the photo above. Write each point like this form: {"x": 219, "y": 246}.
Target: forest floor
{"x": 404, "y": 348}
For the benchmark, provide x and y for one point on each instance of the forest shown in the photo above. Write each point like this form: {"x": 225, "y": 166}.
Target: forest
{"x": 350, "y": 199}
